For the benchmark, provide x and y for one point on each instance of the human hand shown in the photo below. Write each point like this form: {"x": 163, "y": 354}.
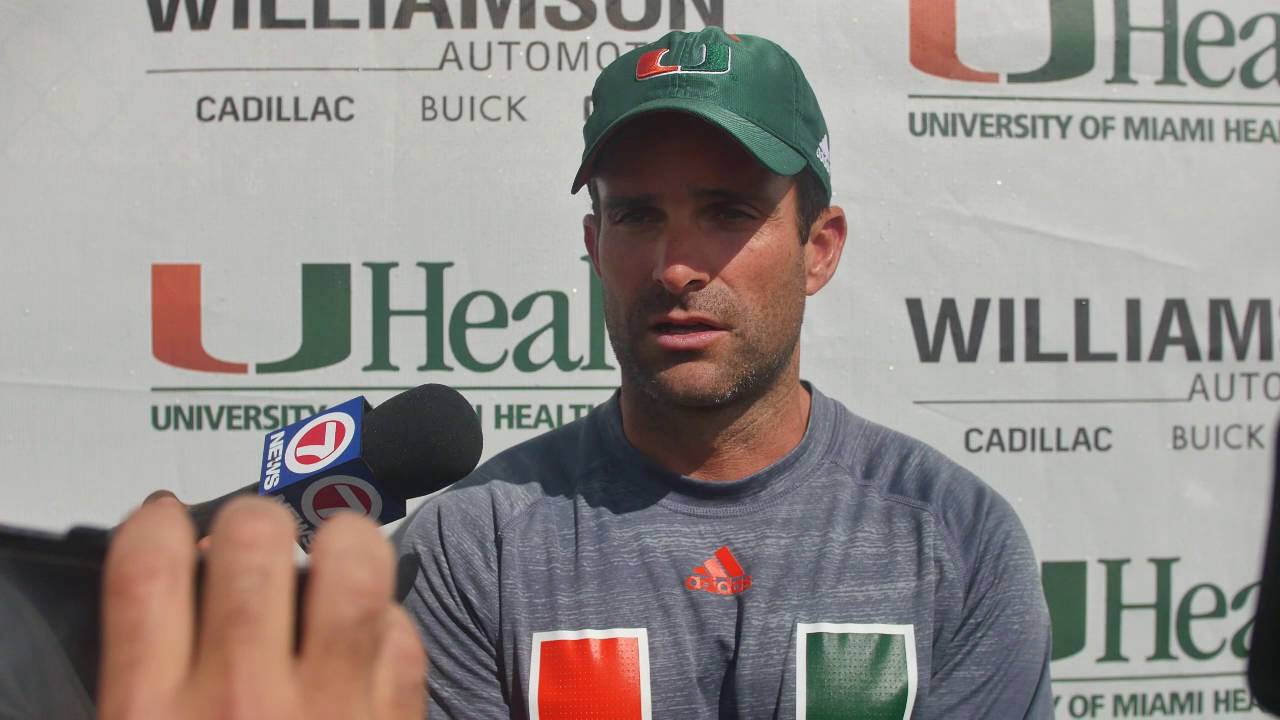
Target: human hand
{"x": 203, "y": 513}
{"x": 359, "y": 657}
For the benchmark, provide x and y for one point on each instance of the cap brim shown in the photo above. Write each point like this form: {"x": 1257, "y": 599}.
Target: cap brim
{"x": 774, "y": 154}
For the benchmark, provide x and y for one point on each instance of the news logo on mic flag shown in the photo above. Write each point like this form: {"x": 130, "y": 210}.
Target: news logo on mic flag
{"x": 316, "y": 467}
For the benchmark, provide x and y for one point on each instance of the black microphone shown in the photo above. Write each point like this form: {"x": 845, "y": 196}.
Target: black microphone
{"x": 413, "y": 444}
{"x": 351, "y": 457}
{"x": 1264, "y": 646}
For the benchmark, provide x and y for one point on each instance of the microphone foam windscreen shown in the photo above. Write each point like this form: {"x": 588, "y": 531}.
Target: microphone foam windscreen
{"x": 422, "y": 440}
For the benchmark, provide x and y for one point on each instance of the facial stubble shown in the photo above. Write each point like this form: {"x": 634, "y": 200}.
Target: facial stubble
{"x": 766, "y": 339}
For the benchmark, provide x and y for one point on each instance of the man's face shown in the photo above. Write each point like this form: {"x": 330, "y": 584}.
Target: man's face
{"x": 703, "y": 271}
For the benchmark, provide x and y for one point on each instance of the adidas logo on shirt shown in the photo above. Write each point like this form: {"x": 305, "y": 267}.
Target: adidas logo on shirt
{"x": 719, "y": 575}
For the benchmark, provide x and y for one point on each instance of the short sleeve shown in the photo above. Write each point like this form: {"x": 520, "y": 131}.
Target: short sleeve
{"x": 995, "y": 663}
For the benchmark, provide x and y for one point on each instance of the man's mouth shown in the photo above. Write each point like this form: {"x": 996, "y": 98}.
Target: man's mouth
{"x": 667, "y": 328}
{"x": 686, "y": 334}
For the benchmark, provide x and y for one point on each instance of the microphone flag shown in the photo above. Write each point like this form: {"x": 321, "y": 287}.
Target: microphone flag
{"x": 316, "y": 467}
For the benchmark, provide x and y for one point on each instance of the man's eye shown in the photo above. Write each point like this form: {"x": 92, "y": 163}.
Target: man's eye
{"x": 632, "y": 217}
{"x": 730, "y": 213}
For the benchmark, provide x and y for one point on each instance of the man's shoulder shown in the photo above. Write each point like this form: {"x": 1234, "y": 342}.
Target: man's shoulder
{"x": 972, "y": 520}
{"x": 895, "y": 463}
{"x": 549, "y": 465}
{"x": 904, "y": 469}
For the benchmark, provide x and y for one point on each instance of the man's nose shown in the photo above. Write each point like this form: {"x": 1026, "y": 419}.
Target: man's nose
{"x": 681, "y": 265}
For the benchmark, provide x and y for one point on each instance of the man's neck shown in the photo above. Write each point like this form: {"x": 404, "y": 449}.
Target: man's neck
{"x": 724, "y": 443}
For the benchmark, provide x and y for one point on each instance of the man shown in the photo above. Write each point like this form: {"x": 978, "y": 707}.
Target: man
{"x": 720, "y": 539}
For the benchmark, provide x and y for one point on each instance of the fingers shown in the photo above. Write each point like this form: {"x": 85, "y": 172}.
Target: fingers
{"x": 399, "y": 681}
{"x": 361, "y": 655}
{"x": 203, "y": 543}
{"x": 346, "y": 620}
{"x": 157, "y": 495}
{"x": 148, "y": 609}
{"x": 246, "y": 633}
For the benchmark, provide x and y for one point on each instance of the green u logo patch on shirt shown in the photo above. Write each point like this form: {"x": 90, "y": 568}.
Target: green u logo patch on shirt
{"x": 849, "y": 670}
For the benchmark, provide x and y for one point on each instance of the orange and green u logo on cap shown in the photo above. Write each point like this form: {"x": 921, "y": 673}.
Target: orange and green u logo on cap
{"x": 715, "y": 59}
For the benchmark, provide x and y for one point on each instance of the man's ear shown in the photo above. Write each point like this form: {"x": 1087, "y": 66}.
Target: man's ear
{"x": 822, "y": 252}
{"x": 590, "y": 236}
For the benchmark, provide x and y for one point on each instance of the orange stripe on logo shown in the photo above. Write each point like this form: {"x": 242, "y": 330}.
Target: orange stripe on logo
{"x": 650, "y": 65}
{"x": 176, "y": 322}
{"x": 730, "y": 563}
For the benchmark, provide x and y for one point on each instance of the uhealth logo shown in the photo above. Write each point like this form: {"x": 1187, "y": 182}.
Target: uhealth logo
{"x": 177, "y": 331}
{"x": 1210, "y": 48}
{"x": 1148, "y": 612}
{"x": 539, "y": 328}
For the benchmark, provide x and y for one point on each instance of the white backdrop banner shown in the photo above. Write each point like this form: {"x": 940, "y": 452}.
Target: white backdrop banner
{"x": 223, "y": 216}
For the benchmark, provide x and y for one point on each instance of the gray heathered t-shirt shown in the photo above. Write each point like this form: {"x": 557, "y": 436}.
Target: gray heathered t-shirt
{"x": 863, "y": 575}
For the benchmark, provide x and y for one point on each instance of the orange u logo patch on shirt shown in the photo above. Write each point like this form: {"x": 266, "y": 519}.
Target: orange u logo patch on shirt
{"x": 590, "y": 673}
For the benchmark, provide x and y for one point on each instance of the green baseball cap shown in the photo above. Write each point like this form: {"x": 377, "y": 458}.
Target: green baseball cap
{"x": 746, "y": 85}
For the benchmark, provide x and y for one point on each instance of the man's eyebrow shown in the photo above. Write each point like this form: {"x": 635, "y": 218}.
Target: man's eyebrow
{"x": 726, "y": 194}
{"x": 617, "y": 202}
